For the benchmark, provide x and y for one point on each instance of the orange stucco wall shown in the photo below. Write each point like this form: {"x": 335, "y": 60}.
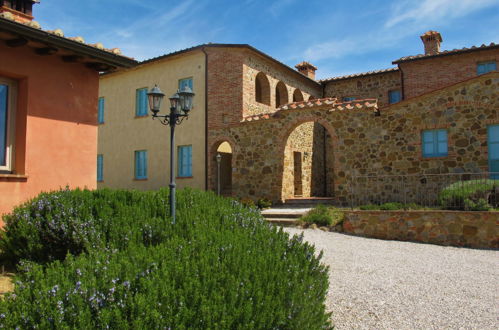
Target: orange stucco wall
{"x": 56, "y": 125}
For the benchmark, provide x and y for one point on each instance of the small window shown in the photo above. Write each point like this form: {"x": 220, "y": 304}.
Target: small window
{"x": 100, "y": 168}
{"x": 141, "y": 164}
{"x": 435, "y": 143}
{"x": 141, "y": 103}
{"x": 482, "y": 68}
{"x": 394, "y": 96}
{"x": 185, "y": 82}
{"x": 7, "y": 106}
{"x": 185, "y": 161}
{"x": 348, "y": 98}
{"x": 100, "y": 114}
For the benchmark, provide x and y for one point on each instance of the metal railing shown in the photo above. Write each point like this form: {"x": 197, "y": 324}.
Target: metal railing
{"x": 459, "y": 191}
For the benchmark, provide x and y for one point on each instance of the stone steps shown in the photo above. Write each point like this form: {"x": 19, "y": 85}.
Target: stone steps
{"x": 312, "y": 201}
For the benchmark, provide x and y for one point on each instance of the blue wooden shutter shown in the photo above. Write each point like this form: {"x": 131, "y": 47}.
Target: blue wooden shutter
{"x": 141, "y": 164}
{"x": 4, "y": 92}
{"x": 100, "y": 168}
{"x": 493, "y": 146}
{"x": 189, "y": 161}
{"x": 428, "y": 144}
{"x": 394, "y": 96}
{"x": 441, "y": 142}
{"x": 100, "y": 113}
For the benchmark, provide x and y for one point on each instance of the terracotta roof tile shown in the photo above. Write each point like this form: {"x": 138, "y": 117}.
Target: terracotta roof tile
{"x": 362, "y": 74}
{"x": 364, "y": 104}
{"x": 446, "y": 53}
{"x": 59, "y": 33}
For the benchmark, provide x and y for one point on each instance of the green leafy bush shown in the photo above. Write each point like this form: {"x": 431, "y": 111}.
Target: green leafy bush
{"x": 263, "y": 203}
{"x": 472, "y": 195}
{"x": 391, "y": 206}
{"x": 323, "y": 215}
{"x": 220, "y": 266}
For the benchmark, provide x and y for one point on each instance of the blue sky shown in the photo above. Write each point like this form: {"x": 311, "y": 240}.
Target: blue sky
{"x": 338, "y": 36}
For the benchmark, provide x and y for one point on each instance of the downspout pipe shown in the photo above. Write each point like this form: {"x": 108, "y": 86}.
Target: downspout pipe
{"x": 206, "y": 160}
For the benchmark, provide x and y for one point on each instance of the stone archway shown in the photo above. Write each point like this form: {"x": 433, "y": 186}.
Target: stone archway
{"x": 221, "y": 169}
{"x": 308, "y": 160}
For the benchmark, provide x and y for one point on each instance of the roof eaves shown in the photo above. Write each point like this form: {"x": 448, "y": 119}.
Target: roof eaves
{"x": 247, "y": 46}
{"x": 358, "y": 75}
{"x": 63, "y": 42}
{"x": 446, "y": 53}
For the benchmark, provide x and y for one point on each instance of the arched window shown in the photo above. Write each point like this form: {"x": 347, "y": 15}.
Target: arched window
{"x": 281, "y": 94}
{"x": 297, "y": 96}
{"x": 262, "y": 89}
{"x": 311, "y": 97}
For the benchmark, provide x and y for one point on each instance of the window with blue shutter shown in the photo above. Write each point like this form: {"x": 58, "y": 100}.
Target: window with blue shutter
{"x": 482, "y": 68}
{"x": 100, "y": 114}
{"x": 4, "y": 92}
{"x": 141, "y": 164}
{"x": 185, "y": 82}
{"x": 394, "y": 96}
{"x": 435, "y": 143}
{"x": 141, "y": 102}
{"x": 185, "y": 161}
{"x": 348, "y": 98}
{"x": 100, "y": 168}
{"x": 493, "y": 145}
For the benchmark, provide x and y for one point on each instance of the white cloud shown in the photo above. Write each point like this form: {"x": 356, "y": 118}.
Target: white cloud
{"x": 434, "y": 11}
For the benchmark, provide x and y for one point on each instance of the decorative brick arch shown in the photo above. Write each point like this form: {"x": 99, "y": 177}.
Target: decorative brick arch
{"x": 262, "y": 89}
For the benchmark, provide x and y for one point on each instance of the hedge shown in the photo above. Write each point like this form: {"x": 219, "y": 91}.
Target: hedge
{"x": 220, "y": 266}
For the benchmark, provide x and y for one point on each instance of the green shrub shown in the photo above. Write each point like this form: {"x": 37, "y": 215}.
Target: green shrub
{"x": 454, "y": 196}
{"x": 323, "y": 215}
{"x": 220, "y": 266}
{"x": 480, "y": 205}
{"x": 391, "y": 206}
{"x": 263, "y": 203}
{"x": 369, "y": 207}
{"x": 247, "y": 202}
{"x": 54, "y": 224}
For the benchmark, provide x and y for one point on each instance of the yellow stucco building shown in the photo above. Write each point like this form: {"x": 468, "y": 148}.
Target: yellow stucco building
{"x": 133, "y": 149}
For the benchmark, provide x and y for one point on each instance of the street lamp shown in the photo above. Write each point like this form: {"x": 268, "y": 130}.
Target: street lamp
{"x": 180, "y": 105}
{"x": 219, "y": 159}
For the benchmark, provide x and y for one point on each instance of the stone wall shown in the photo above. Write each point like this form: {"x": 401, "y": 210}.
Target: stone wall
{"x": 424, "y": 75}
{"x": 365, "y": 142}
{"x": 369, "y": 86}
{"x": 456, "y": 228}
{"x": 253, "y": 64}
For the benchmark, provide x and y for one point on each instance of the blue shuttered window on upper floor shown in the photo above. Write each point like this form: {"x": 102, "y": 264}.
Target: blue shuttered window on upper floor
{"x": 141, "y": 164}
{"x": 435, "y": 143}
{"x": 493, "y": 148}
{"x": 141, "y": 102}
{"x": 482, "y": 68}
{"x": 100, "y": 168}
{"x": 100, "y": 113}
{"x": 185, "y": 82}
{"x": 185, "y": 161}
{"x": 394, "y": 96}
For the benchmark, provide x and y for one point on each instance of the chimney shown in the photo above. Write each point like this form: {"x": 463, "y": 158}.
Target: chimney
{"x": 431, "y": 41}
{"x": 307, "y": 69}
{"x": 17, "y": 10}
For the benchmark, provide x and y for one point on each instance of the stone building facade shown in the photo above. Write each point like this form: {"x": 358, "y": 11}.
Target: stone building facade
{"x": 282, "y": 134}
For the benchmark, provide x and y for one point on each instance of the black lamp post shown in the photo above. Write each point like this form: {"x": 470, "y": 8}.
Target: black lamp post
{"x": 180, "y": 105}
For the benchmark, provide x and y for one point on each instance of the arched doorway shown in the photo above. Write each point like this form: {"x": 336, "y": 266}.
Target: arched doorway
{"x": 308, "y": 162}
{"x": 223, "y": 168}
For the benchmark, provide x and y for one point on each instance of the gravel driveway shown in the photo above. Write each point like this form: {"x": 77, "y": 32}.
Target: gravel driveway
{"x": 377, "y": 284}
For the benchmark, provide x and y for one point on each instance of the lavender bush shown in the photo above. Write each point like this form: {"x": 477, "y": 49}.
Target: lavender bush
{"x": 220, "y": 266}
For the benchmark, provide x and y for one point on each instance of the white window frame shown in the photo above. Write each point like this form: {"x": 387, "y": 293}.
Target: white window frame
{"x": 11, "y": 113}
